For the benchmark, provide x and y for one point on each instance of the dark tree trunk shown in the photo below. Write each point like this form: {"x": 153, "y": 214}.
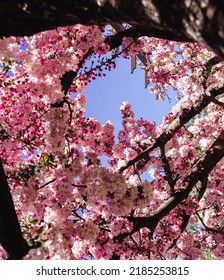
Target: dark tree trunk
{"x": 11, "y": 237}
{"x": 201, "y": 21}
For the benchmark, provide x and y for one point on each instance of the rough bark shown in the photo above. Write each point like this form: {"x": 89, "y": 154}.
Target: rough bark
{"x": 184, "y": 20}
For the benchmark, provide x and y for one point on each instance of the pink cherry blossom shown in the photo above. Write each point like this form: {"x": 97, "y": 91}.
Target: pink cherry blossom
{"x": 70, "y": 206}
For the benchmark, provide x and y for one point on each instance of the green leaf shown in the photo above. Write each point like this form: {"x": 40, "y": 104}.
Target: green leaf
{"x": 34, "y": 222}
{"x": 39, "y": 231}
{"x": 25, "y": 230}
{"x": 46, "y": 158}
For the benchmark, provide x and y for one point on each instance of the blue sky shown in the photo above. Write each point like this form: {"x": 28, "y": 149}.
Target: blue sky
{"x": 105, "y": 95}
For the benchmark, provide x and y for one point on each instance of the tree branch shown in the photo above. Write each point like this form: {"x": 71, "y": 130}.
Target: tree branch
{"x": 47, "y": 183}
{"x": 208, "y": 229}
{"x": 217, "y": 102}
{"x": 180, "y": 121}
{"x": 167, "y": 169}
{"x": 200, "y": 170}
{"x": 69, "y": 76}
{"x": 178, "y": 21}
{"x": 186, "y": 217}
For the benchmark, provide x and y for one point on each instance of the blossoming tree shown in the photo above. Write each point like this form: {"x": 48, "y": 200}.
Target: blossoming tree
{"x": 71, "y": 207}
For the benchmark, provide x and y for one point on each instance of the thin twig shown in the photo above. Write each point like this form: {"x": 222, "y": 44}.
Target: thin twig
{"x": 208, "y": 229}
{"x": 79, "y": 186}
{"x": 46, "y": 184}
